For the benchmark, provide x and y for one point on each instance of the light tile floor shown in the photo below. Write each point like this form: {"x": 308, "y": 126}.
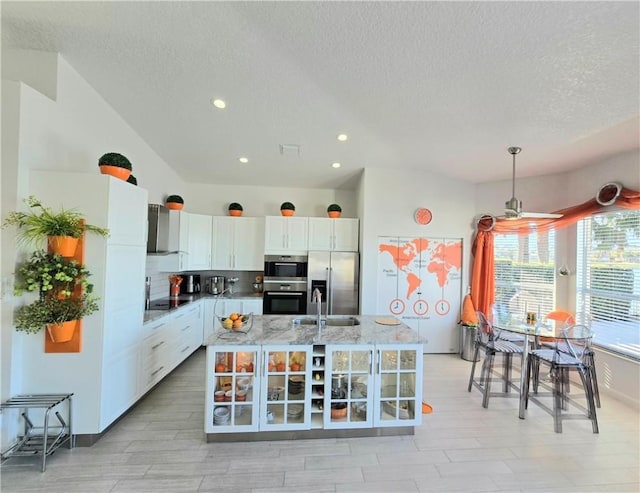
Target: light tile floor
{"x": 159, "y": 447}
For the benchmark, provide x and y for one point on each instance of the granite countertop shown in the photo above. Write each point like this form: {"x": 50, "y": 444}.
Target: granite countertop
{"x": 188, "y": 299}
{"x": 280, "y": 329}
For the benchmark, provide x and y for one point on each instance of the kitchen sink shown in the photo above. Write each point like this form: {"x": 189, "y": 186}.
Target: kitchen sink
{"x": 331, "y": 321}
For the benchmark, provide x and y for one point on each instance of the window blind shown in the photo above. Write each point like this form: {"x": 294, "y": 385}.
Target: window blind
{"x": 608, "y": 279}
{"x": 524, "y": 274}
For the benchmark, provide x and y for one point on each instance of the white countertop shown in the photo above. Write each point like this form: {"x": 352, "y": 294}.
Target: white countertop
{"x": 280, "y": 329}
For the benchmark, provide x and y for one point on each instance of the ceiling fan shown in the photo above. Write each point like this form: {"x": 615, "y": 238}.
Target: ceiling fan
{"x": 513, "y": 206}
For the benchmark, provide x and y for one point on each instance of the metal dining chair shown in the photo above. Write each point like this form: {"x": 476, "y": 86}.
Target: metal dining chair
{"x": 568, "y": 353}
{"x": 488, "y": 340}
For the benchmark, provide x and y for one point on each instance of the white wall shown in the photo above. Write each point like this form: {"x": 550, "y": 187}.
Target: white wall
{"x": 263, "y": 201}
{"x": 388, "y": 200}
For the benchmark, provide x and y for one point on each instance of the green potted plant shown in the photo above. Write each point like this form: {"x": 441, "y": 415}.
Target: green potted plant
{"x": 58, "y": 315}
{"x": 115, "y": 164}
{"x": 334, "y": 210}
{"x": 287, "y": 209}
{"x": 46, "y": 272}
{"x": 133, "y": 180}
{"x": 235, "y": 209}
{"x": 61, "y": 229}
{"x": 174, "y": 202}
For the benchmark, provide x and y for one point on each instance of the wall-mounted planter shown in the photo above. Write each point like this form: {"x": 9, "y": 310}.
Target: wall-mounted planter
{"x": 64, "y": 246}
{"x": 62, "y": 332}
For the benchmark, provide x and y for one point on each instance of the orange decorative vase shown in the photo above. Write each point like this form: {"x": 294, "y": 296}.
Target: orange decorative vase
{"x": 176, "y": 206}
{"x": 235, "y": 213}
{"x": 63, "y": 245}
{"x": 286, "y": 212}
{"x": 334, "y": 214}
{"x": 115, "y": 171}
{"x": 62, "y": 332}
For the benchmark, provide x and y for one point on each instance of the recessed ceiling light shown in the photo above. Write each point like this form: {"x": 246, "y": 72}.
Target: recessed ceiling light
{"x": 336, "y": 165}
{"x": 342, "y": 137}
{"x": 219, "y": 103}
{"x": 243, "y": 160}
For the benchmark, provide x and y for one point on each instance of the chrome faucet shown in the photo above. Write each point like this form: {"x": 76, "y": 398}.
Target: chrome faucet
{"x": 317, "y": 297}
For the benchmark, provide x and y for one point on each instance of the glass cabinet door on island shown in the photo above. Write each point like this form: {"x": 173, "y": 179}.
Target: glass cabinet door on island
{"x": 285, "y": 402}
{"x": 349, "y": 388}
{"x": 397, "y": 385}
{"x": 233, "y": 383}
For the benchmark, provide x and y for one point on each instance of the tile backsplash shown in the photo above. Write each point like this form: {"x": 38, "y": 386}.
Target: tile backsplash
{"x": 160, "y": 280}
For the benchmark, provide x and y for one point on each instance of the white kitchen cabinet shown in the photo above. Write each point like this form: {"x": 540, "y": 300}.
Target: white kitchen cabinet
{"x": 339, "y": 235}
{"x": 238, "y": 243}
{"x": 103, "y": 375}
{"x": 398, "y": 397}
{"x": 349, "y": 387}
{"x": 286, "y": 234}
{"x": 168, "y": 342}
{"x": 233, "y": 383}
{"x": 199, "y": 241}
{"x": 285, "y": 394}
{"x": 190, "y": 240}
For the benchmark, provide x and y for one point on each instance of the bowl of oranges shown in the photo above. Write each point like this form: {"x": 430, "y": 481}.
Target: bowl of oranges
{"x": 237, "y": 322}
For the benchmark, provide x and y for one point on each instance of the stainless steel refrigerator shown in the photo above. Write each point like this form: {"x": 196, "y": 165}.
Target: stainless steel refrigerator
{"x": 336, "y": 275}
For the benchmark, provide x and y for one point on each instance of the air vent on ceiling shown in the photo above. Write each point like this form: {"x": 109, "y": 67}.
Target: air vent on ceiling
{"x": 289, "y": 149}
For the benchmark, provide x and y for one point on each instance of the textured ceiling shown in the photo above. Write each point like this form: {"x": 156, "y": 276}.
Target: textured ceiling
{"x": 440, "y": 86}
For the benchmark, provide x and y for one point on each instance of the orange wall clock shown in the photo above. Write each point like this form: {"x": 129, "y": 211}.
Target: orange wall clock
{"x": 423, "y": 216}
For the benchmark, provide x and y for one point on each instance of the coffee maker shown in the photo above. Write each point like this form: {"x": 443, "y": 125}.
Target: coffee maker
{"x": 215, "y": 285}
{"x": 190, "y": 284}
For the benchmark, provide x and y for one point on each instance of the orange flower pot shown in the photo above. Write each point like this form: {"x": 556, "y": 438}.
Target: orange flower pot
{"x": 176, "y": 206}
{"x": 235, "y": 213}
{"x": 115, "y": 171}
{"x": 334, "y": 214}
{"x": 63, "y": 245}
{"x": 286, "y": 212}
{"x": 62, "y": 332}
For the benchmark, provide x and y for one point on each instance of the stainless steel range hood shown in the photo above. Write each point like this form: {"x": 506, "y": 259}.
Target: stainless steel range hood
{"x": 158, "y": 234}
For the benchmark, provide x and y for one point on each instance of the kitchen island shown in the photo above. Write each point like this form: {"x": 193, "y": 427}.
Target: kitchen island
{"x": 281, "y": 377}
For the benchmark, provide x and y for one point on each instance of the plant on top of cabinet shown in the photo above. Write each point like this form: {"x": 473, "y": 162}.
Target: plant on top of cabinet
{"x": 46, "y": 272}
{"x": 287, "y": 209}
{"x": 133, "y": 180}
{"x": 174, "y": 202}
{"x": 115, "y": 164}
{"x": 59, "y": 228}
{"x": 235, "y": 209}
{"x": 334, "y": 210}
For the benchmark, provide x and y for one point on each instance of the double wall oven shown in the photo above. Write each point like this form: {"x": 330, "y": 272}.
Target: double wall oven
{"x": 285, "y": 285}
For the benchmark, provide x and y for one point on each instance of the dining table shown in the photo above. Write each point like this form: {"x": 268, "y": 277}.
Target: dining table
{"x": 549, "y": 329}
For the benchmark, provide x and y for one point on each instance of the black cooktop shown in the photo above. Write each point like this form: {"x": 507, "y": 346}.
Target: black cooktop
{"x": 167, "y": 304}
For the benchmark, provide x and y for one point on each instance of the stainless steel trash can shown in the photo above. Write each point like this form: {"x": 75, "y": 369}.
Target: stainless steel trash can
{"x": 467, "y": 342}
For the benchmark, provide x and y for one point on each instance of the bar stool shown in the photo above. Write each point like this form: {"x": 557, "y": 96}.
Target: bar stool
{"x": 488, "y": 341}
{"x": 574, "y": 340}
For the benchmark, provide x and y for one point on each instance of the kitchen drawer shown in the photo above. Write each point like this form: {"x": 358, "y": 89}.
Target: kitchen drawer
{"x": 156, "y": 326}
{"x": 157, "y": 349}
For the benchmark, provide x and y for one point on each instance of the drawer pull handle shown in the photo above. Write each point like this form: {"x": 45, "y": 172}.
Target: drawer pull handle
{"x": 153, "y": 348}
{"x": 187, "y": 327}
{"x": 185, "y": 349}
{"x": 157, "y": 326}
{"x": 158, "y": 370}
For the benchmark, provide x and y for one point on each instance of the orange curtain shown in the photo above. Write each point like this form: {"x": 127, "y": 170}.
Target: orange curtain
{"x": 482, "y": 273}
{"x": 482, "y": 277}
